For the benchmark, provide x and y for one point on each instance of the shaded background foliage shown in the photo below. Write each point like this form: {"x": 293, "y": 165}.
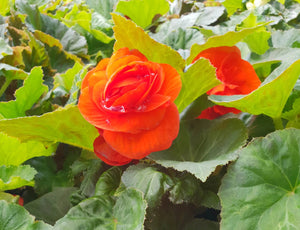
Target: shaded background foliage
{"x": 46, "y": 48}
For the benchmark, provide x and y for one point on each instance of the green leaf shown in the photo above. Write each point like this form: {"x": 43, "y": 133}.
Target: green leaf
{"x": 48, "y": 175}
{"x": 14, "y": 216}
{"x": 5, "y": 49}
{"x": 291, "y": 38}
{"x": 26, "y": 96}
{"x": 187, "y": 189}
{"x": 232, "y": 5}
{"x": 258, "y": 41}
{"x": 108, "y": 182}
{"x": 127, "y": 212}
{"x": 11, "y": 72}
{"x": 5, "y": 8}
{"x": 269, "y": 98}
{"x": 142, "y": 12}
{"x": 293, "y": 113}
{"x": 65, "y": 80}
{"x": 9, "y": 197}
{"x": 54, "y": 205}
{"x": 64, "y": 125}
{"x": 127, "y": 34}
{"x": 202, "y": 145}
{"x": 14, "y": 152}
{"x": 12, "y": 177}
{"x": 103, "y": 7}
{"x": 228, "y": 39}
{"x": 261, "y": 190}
{"x": 196, "y": 81}
{"x": 151, "y": 182}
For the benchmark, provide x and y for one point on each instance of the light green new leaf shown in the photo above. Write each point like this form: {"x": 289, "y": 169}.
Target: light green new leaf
{"x": 4, "y": 48}
{"x": 5, "y": 7}
{"x": 15, "y": 217}
{"x": 142, "y": 11}
{"x": 12, "y": 177}
{"x": 127, "y": 212}
{"x": 65, "y": 80}
{"x": 9, "y": 197}
{"x": 13, "y": 152}
{"x": 196, "y": 81}
{"x": 127, "y": 34}
{"x": 202, "y": 145}
{"x": 258, "y": 41}
{"x": 151, "y": 182}
{"x": 228, "y": 39}
{"x": 64, "y": 125}
{"x": 269, "y": 99}
{"x": 261, "y": 190}
{"x": 26, "y": 96}
{"x": 232, "y": 5}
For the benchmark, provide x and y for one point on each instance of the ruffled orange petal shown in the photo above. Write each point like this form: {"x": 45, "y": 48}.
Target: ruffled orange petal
{"x": 100, "y": 67}
{"x": 216, "y": 55}
{"x": 216, "y": 111}
{"x": 122, "y": 58}
{"x": 172, "y": 82}
{"x": 115, "y": 121}
{"x": 107, "y": 154}
{"x": 139, "y": 145}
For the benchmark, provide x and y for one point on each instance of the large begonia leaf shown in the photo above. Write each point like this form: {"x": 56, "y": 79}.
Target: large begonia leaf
{"x": 127, "y": 212}
{"x": 26, "y": 96}
{"x": 196, "y": 81}
{"x": 228, "y": 39}
{"x": 202, "y": 145}
{"x": 129, "y": 35}
{"x": 12, "y": 177}
{"x": 269, "y": 98}
{"x": 13, "y": 152}
{"x": 54, "y": 204}
{"x": 15, "y": 217}
{"x": 151, "y": 182}
{"x": 142, "y": 12}
{"x": 64, "y": 125}
{"x": 261, "y": 189}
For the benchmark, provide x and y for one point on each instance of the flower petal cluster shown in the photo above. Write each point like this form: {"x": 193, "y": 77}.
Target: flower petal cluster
{"x": 130, "y": 100}
{"x": 238, "y": 77}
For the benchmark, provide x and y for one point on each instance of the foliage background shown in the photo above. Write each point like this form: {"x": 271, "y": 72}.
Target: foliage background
{"x": 236, "y": 172}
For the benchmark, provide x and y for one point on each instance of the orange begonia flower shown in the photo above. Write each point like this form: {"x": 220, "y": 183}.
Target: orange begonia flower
{"x": 130, "y": 100}
{"x": 238, "y": 77}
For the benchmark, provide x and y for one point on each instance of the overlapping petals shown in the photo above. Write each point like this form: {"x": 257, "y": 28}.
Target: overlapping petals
{"x": 130, "y": 100}
{"x": 238, "y": 77}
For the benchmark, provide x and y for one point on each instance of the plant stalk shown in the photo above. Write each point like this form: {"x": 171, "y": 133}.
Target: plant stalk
{"x": 4, "y": 86}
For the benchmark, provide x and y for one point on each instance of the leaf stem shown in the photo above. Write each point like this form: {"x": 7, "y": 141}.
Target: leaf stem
{"x": 277, "y": 123}
{"x": 5, "y": 85}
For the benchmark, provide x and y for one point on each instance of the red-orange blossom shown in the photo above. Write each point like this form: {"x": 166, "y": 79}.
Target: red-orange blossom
{"x": 130, "y": 100}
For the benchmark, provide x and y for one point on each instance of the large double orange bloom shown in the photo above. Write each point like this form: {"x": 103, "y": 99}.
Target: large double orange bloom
{"x": 130, "y": 100}
{"x": 238, "y": 77}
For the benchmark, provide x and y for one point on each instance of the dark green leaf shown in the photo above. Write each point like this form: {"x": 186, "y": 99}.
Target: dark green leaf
{"x": 148, "y": 180}
{"x": 261, "y": 190}
{"x": 54, "y": 204}
{"x": 202, "y": 145}
{"x": 127, "y": 212}
{"x": 108, "y": 182}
